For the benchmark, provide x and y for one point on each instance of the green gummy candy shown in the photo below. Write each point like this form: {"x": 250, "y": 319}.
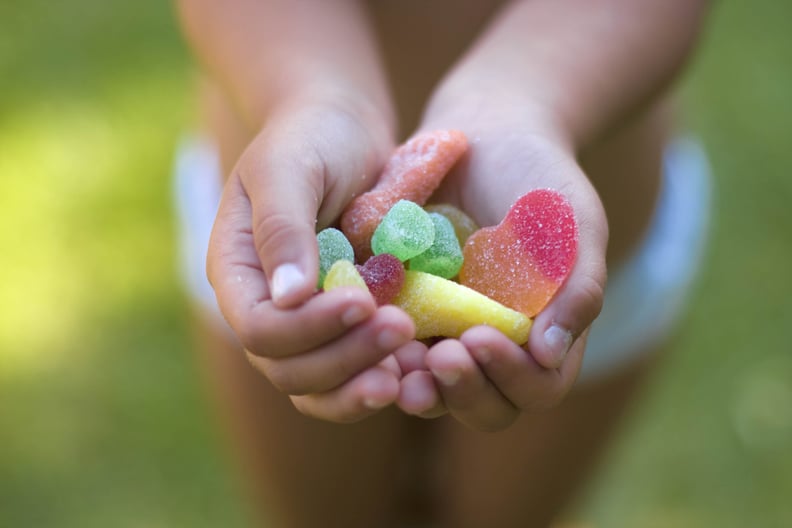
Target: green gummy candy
{"x": 333, "y": 246}
{"x": 405, "y": 231}
{"x": 444, "y": 256}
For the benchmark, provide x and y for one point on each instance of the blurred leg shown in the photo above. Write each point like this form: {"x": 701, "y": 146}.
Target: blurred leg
{"x": 303, "y": 472}
{"x": 525, "y": 476}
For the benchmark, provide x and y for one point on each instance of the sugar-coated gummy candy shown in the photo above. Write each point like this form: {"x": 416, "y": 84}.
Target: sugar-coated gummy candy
{"x": 405, "y": 231}
{"x": 440, "y": 307}
{"x": 523, "y": 261}
{"x": 343, "y": 273}
{"x": 333, "y": 246}
{"x": 444, "y": 256}
{"x": 412, "y": 173}
{"x": 384, "y": 276}
{"x": 464, "y": 226}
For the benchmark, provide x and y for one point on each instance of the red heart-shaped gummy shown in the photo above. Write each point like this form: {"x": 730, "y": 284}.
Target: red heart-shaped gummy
{"x": 523, "y": 261}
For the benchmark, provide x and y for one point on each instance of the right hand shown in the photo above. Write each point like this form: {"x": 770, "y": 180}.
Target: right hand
{"x": 333, "y": 353}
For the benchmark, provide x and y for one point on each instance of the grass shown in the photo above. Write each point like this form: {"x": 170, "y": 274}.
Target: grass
{"x": 712, "y": 443}
{"x": 102, "y": 416}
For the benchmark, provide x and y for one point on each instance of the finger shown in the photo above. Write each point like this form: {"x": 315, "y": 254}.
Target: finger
{"x": 516, "y": 374}
{"x": 419, "y": 395}
{"x": 333, "y": 364}
{"x": 579, "y": 300}
{"x": 232, "y": 266}
{"x": 466, "y": 391}
{"x": 283, "y": 178}
{"x": 362, "y": 396}
{"x": 391, "y": 365}
{"x": 300, "y": 173}
{"x": 272, "y": 332}
{"x": 411, "y": 357}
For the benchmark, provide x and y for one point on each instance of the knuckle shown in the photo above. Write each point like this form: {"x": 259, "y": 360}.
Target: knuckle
{"x": 281, "y": 377}
{"x": 253, "y": 335}
{"x": 342, "y": 369}
{"x": 273, "y": 230}
{"x": 304, "y": 153}
{"x": 248, "y": 337}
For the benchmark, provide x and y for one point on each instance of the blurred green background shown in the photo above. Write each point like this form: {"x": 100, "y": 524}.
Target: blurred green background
{"x": 103, "y": 420}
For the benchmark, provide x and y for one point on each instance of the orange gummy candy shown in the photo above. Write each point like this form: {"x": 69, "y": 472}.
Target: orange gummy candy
{"x": 413, "y": 173}
{"x": 523, "y": 261}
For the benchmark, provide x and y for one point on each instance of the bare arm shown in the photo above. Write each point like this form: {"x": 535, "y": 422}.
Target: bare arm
{"x": 267, "y": 52}
{"x": 582, "y": 66}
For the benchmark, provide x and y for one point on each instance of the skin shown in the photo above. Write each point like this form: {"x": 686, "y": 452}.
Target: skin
{"x": 302, "y": 110}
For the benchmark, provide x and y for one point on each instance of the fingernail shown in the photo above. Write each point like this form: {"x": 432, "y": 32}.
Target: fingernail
{"x": 353, "y": 315}
{"x": 286, "y": 279}
{"x": 390, "y": 339}
{"x": 447, "y": 377}
{"x": 558, "y": 341}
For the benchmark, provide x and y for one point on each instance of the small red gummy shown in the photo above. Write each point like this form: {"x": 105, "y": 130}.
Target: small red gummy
{"x": 384, "y": 276}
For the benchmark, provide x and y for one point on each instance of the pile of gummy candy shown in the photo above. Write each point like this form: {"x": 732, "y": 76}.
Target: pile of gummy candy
{"x": 434, "y": 262}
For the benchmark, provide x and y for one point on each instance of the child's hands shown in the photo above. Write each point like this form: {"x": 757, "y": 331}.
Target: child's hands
{"x": 483, "y": 379}
{"x": 329, "y": 352}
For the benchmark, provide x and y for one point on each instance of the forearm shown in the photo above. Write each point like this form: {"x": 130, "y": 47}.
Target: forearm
{"x": 576, "y": 67}
{"x": 265, "y": 53}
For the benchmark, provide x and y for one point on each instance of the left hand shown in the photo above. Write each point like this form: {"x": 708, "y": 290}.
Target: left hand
{"x": 483, "y": 379}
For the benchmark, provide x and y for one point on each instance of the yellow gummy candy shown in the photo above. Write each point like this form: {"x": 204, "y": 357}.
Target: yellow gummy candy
{"x": 440, "y": 307}
{"x": 343, "y": 273}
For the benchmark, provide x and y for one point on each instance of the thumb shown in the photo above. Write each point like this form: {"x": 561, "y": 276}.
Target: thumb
{"x": 284, "y": 183}
{"x": 579, "y": 301}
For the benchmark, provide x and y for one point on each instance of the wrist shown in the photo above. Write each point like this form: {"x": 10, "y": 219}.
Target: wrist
{"x": 344, "y": 104}
{"x": 482, "y": 111}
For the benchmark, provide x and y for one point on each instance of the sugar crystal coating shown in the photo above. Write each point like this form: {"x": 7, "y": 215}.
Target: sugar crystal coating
{"x": 384, "y": 276}
{"x": 440, "y": 307}
{"x": 333, "y": 246}
{"x": 444, "y": 256}
{"x": 405, "y": 231}
{"x": 544, "y": 222}
{"x": 524, "y": 260}
{"x": 496, "y": 265}
{"x": 412, "y": 173}
{"x": 464, "y": 226}
{"x": 343, "y": 273}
